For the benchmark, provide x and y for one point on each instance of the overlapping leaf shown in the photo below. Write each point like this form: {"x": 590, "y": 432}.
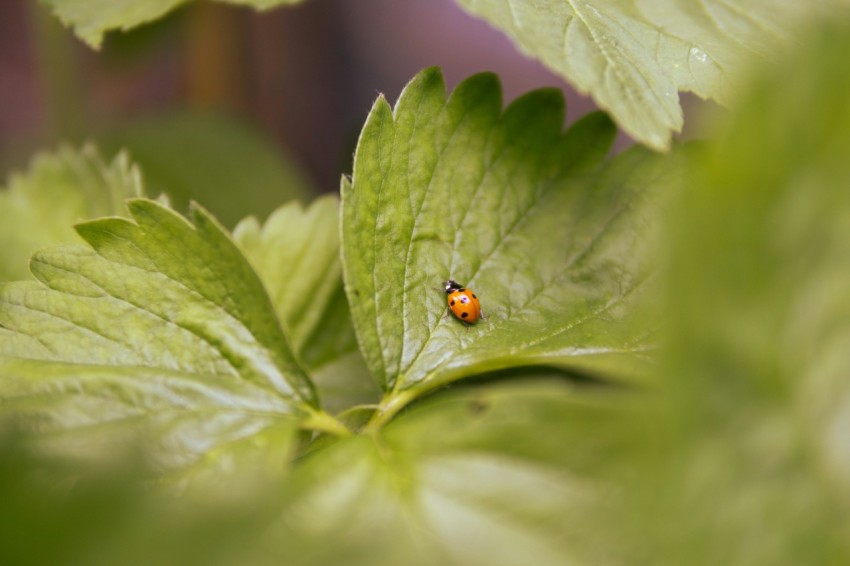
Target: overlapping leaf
{"x": 296, "y": 254}
{"x": 160, "y": 321}
{"x": 634, "y": 57}
{"x": 428, "y": 490}
{"x": 38, "y": 208}
{"x": 91, "y": 19}
{"x": 555, "y": 245}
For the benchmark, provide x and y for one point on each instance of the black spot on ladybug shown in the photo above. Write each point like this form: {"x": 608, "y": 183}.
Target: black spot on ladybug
{"x": 453, "y": 302}
{"x": 473, "y": 296}
{"x": 464, "y": 314}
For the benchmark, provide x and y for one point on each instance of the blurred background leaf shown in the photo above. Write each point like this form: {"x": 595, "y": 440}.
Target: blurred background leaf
{"x": 38, "y": 208}
{"x": 296, "y": 254}
{"x": 303, "y": 76}
{"x": 60, "y": 511}
{"x": 753, "y": 466}
{"x": 633, "y": 58}
{"x": 467, "y": 476}
{"x": 212, "y": 159}
{"x": 91, "y": 20}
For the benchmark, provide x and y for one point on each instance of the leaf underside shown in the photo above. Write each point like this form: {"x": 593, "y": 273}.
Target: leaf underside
{"x": 91, "y": 19}
{"x": 633, "y": 58}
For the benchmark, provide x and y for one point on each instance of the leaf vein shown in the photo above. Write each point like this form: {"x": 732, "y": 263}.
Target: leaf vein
{"x": 158, "y": 316}
{"x": 414, "y": 228}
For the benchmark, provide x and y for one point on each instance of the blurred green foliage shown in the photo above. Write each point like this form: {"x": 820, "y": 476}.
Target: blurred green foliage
{"x": 91, "y": 20}
{"x": 633, "y": 58}
{"x": 209, "y": 158}
{"x": 736, "y": 454}
{"x": 38, "y": 208}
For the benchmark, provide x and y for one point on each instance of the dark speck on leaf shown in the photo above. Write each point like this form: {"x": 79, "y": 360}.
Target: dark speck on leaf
{"x": 478, "y": 406}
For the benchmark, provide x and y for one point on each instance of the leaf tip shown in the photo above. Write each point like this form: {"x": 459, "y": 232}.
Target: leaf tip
{"x": 544, "y": 105}
{"x": 486, "y": 82}
{"x": 141, "y": 205}
{"x": 430, "y": 77}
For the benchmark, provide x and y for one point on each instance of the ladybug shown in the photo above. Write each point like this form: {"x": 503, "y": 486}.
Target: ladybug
{"x": 462, "y": 302}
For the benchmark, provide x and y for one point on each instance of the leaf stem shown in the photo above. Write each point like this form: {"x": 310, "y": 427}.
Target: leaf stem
{"x": 321, "y": 421}
{"x": 390, "y": 405}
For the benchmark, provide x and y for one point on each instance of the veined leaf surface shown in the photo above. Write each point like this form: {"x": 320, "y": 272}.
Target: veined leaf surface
{"x": 633, "y": 57}
{"x": 161, "y": 318}
{"x": 555, "y": 244}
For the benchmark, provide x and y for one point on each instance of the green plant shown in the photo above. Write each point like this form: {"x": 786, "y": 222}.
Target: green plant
{"x": 662, "y": 376}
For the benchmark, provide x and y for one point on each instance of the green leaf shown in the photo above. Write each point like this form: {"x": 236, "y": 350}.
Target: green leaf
{"x": 759, "y": 391}
{"x": 555, "y": 245}
{"x": 160, "y": 319}
{"x": 210, "y": 158}
{"x": 38, "y": 208}
{"x": 94, "y": 411}
{"x": 447, "y": 482}
{"x": 91, "y": 19}
{"x": 634, "y": 57}
{"x": 57, "y": 511}
{"x": 296, "y": 254}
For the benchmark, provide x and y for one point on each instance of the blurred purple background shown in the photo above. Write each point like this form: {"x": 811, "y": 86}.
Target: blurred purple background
{"x": 306, "y": 75}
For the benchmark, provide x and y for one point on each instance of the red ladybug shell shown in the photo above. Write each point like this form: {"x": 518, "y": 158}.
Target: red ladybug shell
{"x": 462, "y": 302}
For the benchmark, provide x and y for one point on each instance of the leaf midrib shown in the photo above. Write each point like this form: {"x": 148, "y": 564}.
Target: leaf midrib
{"x": 520, "y": 219}
{"x": 375, "y": 255}
{"x": 455, "y": 242}
{"x": 625, "y": 205}
{"x": 416, "y": 217}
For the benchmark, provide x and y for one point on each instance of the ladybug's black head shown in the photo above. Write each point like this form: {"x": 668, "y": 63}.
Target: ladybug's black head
{"x": 451, "y": 286}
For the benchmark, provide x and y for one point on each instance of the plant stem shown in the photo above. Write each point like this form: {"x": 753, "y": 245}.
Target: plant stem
{"x": 390, "y": 405}
{"x": 321, "y": 421}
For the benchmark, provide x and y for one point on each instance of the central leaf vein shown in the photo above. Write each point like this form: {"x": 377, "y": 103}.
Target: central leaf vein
{"x": 426, "y": 191}
{"x": 519, "y": 219}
